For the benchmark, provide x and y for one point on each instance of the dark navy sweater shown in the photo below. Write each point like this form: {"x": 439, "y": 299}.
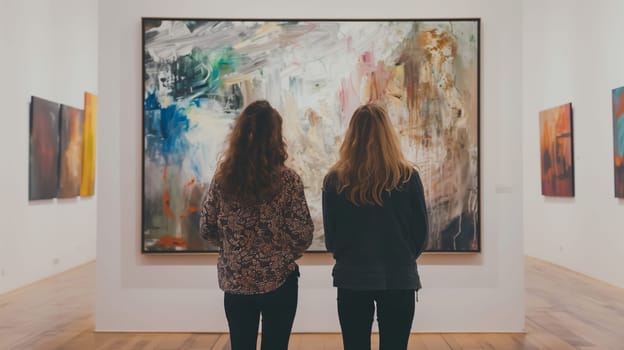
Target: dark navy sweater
{"x": 376, "y": 247}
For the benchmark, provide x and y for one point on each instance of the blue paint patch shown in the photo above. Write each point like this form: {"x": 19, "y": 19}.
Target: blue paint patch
{"x": 618, "y": 122}
{"x": 152, "y": 134}
{"x": 151, "y": 102}
{"x": 195, "y": 102}
{"x": 165, "y": 134}
{"x": 174, "y": 124}
{"x": 619, "y": 136}
{"x": 152, "y": 122}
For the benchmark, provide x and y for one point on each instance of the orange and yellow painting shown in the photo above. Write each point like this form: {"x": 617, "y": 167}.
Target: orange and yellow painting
{"x": 87, "y": 187}
{"x": 556, "y": 150}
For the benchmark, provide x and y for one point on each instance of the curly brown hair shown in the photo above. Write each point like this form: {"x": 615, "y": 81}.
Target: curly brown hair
{"x": 255, "y": 150}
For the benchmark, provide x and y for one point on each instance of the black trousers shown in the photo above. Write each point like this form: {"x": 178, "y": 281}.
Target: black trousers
{"x": 395, "y": 313}
{"x": 277, "y": 308}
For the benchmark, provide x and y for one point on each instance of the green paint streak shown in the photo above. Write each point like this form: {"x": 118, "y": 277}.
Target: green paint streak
{"x": 205, "y": 69}
{"x": 194, "y": 68}
{"x": 223, "y": 62}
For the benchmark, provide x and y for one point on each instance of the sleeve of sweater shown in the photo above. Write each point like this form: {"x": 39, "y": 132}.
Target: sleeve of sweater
{"x": 420, "y": 218}
{"x": 208, "y": 227}
{"x": 300, "y": 227}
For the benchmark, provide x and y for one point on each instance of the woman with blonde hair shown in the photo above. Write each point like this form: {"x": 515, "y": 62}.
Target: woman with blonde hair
{"x": 256, "y": 213}
{"x": 375, "y": 221}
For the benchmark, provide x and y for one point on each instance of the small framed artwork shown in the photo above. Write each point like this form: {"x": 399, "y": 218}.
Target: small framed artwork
{"x": 87, "y": 186}
{"x": 44, "y": 149}
{"x": 70, "y": 162}
{"x": 557, "y": 151}
{"x": 618, "y": 140}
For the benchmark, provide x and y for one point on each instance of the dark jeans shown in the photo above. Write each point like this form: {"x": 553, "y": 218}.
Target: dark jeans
{"x": 278, "y": 313}
{"x": 395, "y": 313}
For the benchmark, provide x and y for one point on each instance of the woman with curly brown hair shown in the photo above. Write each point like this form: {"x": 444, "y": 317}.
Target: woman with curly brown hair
{"x": 375, "y": 221}
{"x": 256, "y": 213}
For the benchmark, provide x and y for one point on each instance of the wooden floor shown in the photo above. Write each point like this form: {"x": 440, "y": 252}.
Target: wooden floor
{"x": 565, "y": 310}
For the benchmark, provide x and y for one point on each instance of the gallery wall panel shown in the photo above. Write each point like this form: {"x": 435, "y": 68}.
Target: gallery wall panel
{"x": 560, "y": 65}
{"x": 50, "y": 51}
{"x": 163, "y": 292}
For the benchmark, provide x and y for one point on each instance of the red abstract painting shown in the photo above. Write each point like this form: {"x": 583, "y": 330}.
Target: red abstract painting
{"x": 44, "y": 149}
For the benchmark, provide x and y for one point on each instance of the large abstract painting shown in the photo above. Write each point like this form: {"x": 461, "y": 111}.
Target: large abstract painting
{"x": 44, "y": 149}
{"x": 70, "y": 168}
{"x": 556, "y": 149}
{"x": 198, "y": 75}
{"x": 618, "y": 140}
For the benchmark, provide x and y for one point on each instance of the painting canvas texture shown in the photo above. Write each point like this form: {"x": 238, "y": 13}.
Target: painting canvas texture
{"x": 44, "y": 149}
{"x": 556, "y": 150}
{"x": 70, "y": 168}
{"x": 618, "y": 140}
{"x": 198, "y": 75}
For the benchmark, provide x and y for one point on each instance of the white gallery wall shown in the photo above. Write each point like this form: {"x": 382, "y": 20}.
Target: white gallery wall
{"x": 573, "y": 52}
{"x": 135, "y": 292}
{"x": 48, "y": 48}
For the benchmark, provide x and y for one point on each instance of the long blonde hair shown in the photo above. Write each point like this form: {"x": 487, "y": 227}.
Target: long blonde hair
{"x": 370, "y": 161}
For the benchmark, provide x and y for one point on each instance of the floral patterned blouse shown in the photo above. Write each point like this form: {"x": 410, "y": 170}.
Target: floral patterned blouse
{"x": 258, "y": 243}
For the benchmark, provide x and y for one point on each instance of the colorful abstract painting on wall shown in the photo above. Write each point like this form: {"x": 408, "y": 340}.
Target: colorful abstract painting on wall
{"x": 618, "y": 140}
{"x": 556, "y": 149}
{"x": 87, "y": 187}
{"x": 198, "y": 75}
{"x": 70, "y": 168}
{"x": 44, "y": 149}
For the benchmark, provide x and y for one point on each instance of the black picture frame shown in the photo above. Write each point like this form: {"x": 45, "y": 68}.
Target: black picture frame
{"x": 477, "y": 21}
